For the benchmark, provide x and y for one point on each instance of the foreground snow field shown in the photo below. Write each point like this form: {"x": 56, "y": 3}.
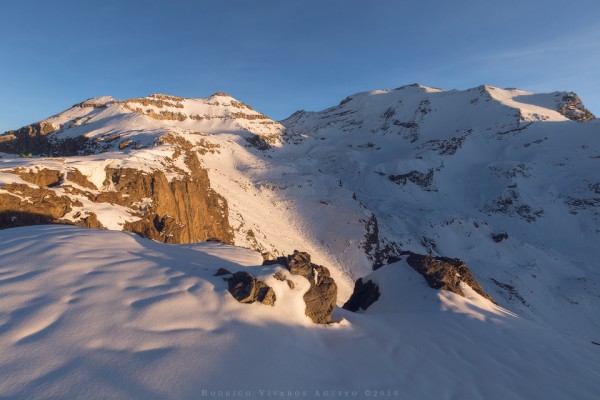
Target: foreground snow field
{"x": 106, "y": 314}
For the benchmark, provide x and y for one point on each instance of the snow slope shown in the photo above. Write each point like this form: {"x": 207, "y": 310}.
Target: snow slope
{"x": 440, "y": 171}
{"x": 105, "y": 314}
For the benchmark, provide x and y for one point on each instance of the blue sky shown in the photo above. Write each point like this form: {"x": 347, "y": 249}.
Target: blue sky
{"x": 280, "y": 56}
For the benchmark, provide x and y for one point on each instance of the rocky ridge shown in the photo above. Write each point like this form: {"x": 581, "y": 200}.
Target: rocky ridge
{"x": 180, "y": 210}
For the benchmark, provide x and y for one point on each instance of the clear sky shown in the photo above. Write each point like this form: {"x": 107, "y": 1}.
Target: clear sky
{"x": 281, "y": 56}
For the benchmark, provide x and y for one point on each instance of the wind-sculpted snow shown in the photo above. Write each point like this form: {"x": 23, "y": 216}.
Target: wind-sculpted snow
{"x": 104, "y": 314}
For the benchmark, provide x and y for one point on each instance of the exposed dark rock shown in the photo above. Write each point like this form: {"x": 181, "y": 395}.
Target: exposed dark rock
{"x": 265, "y": 294}
{"x": 511, "y": 290}
{"x": 221, "y": 272}
{"x": 242, "y": 287}
{"x": 78, "y": 178}
{"x": 345, "y": 101}
{"x": 42, "y": 177}
{"x": 377, "y": 249}
{"x": 445, "y": 273}
{"x": 499, "y": 237}
{"x": 280, "y": 277}
{"x": 424, "y": 180}
{"x": 571, "y": 107}
{"x": 445, "y": 146}
{"x": 258, "y": 142}
{"x": 389, "y": 113}
{"x": 299, "y": 264}
{"x": 429, "y": 245}
{"x": 409, "y": 124}
{"x": 39, "y": 139}
{"x": 363, "y": 296}
{"x": 245, "y": 288}
{"x": 21, "y": 205}
{"x": 576, "y": 204}
{"x": 89, "y": 221}
{"x": 510, "y": 203}
{"x": 278, "y": 261}
{"x": 184, "y": 210}
{"x": 320, "y": 299}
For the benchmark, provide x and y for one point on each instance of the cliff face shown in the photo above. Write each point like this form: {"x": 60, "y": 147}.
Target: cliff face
{"x": 182, "y": 210}
{"x": 39, "y": 139}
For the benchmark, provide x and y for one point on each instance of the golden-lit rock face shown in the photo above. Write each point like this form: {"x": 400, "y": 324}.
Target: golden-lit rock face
{"x": 181, "y": 210}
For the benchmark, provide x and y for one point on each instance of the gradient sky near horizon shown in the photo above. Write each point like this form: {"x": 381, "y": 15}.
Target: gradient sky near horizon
{"x": 281, "y": 56}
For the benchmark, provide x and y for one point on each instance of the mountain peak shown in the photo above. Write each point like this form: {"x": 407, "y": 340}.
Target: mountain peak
{"x": 220, "y": 94}
{"x": 419, "y": 88}
{"x": 97, "y": 102}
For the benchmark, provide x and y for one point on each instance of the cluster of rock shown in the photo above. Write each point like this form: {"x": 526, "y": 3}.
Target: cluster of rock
{"x": 320, "y": 299}
{"x": 424, "y": 180}
{"x": 442, "y": 273}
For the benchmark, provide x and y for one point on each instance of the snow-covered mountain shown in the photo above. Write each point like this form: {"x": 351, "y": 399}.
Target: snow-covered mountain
{"x": 105, "y": 314}
{"x": 503, "y": 179}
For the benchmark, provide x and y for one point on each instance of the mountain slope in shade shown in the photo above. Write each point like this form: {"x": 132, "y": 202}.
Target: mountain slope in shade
{"x": 109, "y": 314}
{"x": 501, "y": 178}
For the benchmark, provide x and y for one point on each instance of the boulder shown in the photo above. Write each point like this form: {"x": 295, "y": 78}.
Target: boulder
{"x": 363, "y": 296}
{"x": 245, "y": 288}
{"x": 264, "y": 294}
{"x": 321, "y": 298}
{"x": 445, "y": 273}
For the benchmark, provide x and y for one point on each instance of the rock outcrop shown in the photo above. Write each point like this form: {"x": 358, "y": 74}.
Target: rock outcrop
{"x": 42, "y": 177}
{"x": 40, "y": 139}
{"x": 377, "y": 248}
{"x": 321, "y": 298}
{"x": 363, "y": 296}
{"x": 445, "y": 273}
{"x": 182, "y": 210}
{"x": 572, "y": 107}
{"x": 22, "y": 205}
{"x": 245, "y": 288}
